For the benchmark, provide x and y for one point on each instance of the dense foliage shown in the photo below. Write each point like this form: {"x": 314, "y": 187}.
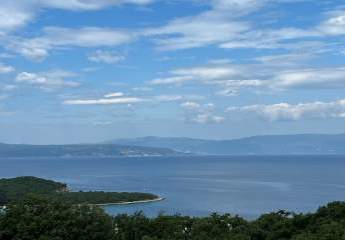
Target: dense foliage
{"x": 37, "y": 219}
{"x": 101, "y": 197}
{"x": 13, "y": 189}
{"x": 41, "y": 219}
{"x": 16, "y": 189}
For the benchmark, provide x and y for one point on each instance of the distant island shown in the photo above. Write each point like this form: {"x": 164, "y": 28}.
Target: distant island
{"x": 300, "y": 144}
{"x": 14, "y": 190}
{"x": 82, "y": 150}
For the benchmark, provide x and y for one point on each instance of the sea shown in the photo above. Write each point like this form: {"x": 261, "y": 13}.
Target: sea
{"x": 247, "y": 186}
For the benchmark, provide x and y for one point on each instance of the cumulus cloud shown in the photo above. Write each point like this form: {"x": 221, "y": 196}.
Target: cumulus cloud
{"x": 335, "y": 24}
{"x": 107, "y": 57}
{"x": 286, "y": 111}
{"x": 47, "y": 80}
{"x": 191, "y": 105}
{"x": 6, "y": 69}
{"x": 202, "y": 114}
{"x": 14, "y": 15}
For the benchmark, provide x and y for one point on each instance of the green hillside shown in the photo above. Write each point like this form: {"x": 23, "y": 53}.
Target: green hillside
{"x": 16, "y": 189}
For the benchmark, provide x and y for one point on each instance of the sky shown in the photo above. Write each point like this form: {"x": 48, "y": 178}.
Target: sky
{"x": 82, "y": 71}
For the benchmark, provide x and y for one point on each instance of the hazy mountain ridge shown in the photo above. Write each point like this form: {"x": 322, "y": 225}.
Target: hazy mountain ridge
{"x": 81, "y": 150}
{"x": 269, "y": 144}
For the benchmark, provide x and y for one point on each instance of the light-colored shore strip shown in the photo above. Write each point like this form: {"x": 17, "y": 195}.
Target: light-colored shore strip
{"x": 129, "y": 203}
{"x": 122, "y": 203}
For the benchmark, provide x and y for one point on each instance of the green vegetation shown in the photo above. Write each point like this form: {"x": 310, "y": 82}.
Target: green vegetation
{"x": 43, "y": 209}
{"x": 16, "y": 189}
{"x": 35, "y": 218}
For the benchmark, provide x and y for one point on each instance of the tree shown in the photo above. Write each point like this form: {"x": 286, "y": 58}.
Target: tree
{"x": 41, "y": 219}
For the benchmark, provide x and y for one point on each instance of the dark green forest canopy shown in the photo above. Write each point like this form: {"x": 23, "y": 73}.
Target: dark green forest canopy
{"x": 16, "y": 189}
{"x": 41, "y": 219}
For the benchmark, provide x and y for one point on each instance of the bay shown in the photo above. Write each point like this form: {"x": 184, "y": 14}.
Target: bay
{"x": 199, "y": 185}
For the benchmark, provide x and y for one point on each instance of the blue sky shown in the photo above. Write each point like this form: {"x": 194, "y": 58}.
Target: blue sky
{"x": 76, "y": 71}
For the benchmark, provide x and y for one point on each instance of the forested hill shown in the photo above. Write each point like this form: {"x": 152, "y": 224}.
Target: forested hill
{"x": 259, "y": 145}
{"x": 14, "y": 190}
{"x": 81, "y": 150}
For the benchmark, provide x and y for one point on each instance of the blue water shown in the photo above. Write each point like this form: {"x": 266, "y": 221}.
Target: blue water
{"x": 246, "y": 185}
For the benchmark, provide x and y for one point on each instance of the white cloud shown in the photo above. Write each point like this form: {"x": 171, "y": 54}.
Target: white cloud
{"x": 6, "y": 69}
{"x": 108, "y": 99}
{"x": 201, "y": 73}
{"x": 285, "y": 111}
{"x": 212, "y": 72}
{"x": 120, "y": 98}
{"x": 191, "y": 105}
{"x": 103, "y": 123}
{"x": 310, "y": 78}
{"x": 8, "y": 87}
{"x": 223, "y": 25}
{"x": 214, "y": 26}
{"x": 335, "y": 25}
{"x": 230, "y": 78}
{"x": 90, "y": 4}
{"x": 107, "y": 57}
{"x": 201, "y": 114}
{"x": 47, "y": 80}
{"x": 195, "y": 32}
{"x": 205, "y": 118}
{"x": 168, "y": 98}
{"x": 15, "y": 14}
{"x": 171, "y": 80}
{"x": 270, "y": 72}
{"x": 104, "y": 101}
{"x": 142, "y": 89}
{"x": 58, "y": 37}
{"x": 270, "y": 38}
{"x": 114, "y": 95}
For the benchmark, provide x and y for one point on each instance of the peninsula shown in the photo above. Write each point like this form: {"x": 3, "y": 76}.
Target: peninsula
{"x": 13, "y": 190}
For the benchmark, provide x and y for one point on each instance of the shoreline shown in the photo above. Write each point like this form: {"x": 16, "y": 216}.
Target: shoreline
{"x": 159, "y": 199}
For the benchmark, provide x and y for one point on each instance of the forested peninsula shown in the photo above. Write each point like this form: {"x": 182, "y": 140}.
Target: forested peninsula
{"x": 14, "y": 190}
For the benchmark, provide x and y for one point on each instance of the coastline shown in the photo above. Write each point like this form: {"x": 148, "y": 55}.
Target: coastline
{"x": 159, "y": 199}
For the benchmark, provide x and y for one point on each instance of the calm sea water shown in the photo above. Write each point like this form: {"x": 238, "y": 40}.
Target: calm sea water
{"x": 245, "y": 185}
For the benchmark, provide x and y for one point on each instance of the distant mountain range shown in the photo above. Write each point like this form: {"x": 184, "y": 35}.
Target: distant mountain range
{"x": 259, "y": 145}
{"x": 165, "y": 146}
{"x": 81, "y": 150}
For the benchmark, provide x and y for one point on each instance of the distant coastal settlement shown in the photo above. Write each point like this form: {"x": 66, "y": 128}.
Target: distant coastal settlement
{"x": 15, "y": 190}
